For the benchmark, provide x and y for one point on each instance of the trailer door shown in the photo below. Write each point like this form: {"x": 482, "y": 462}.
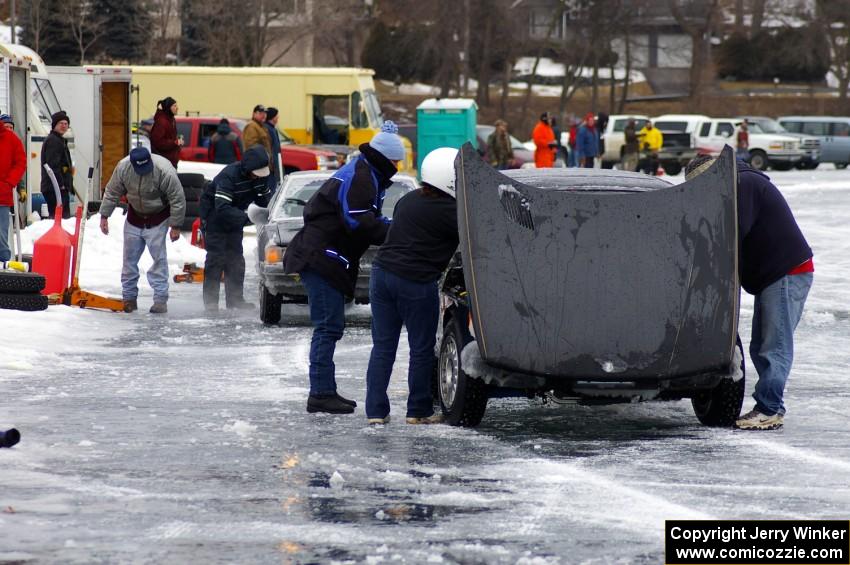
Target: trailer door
{"x": 115, "y": 127}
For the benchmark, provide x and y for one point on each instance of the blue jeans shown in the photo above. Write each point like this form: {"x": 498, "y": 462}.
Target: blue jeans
{"x": 572, "y": 158}
{"x": 135, "y": 241}
{"x": 777, "y": 311}
{"x": 327, "y": 313}
{"x": 5, "y": 222}
{"x": 396, "y": 301}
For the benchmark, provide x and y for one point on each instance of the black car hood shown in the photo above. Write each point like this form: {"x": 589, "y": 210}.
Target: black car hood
{"x": 600, "y": 275}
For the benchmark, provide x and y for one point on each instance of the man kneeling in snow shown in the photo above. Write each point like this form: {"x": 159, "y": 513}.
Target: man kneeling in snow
{"x": 156, "y": 200}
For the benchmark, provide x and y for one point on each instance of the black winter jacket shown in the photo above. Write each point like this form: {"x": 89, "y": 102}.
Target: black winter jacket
{"x": 55, "y": 153}
{"x": 771, "y": 243}
{"x": 339, "y": 228}
{"x": 226, "y": 198}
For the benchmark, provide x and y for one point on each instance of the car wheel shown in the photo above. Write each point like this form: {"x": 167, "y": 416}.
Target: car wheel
{"x": 721, "y": 405}
{"x": 463, "y": 399}
{"x": 758, "y": 160}
{"x": 672, "y": 169}
{"x": 841, "y": 165}
{"x": 782, "y": 166}
{"x": 269, "y": 306}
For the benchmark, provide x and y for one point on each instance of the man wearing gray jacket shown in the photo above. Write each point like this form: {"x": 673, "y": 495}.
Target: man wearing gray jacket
{"x": 155, "y": 201}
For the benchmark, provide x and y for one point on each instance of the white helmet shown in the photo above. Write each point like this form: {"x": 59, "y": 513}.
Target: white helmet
{"x": 438, "y": 169}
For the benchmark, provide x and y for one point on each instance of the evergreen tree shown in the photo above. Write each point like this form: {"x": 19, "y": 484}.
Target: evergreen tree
{"x": 128, "y": 28}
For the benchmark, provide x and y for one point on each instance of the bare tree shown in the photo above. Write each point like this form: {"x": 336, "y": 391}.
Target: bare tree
{"x": 833, "y": 17}
{"x": 699, "y": 27}
{"x": 163, "y": 13}
{"x": 36, "y": 24}
{"x": 84, "y": 23}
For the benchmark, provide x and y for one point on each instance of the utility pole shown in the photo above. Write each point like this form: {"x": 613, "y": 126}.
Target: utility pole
{"x": 466, "y": 18}
{"x": 12, "y": 18}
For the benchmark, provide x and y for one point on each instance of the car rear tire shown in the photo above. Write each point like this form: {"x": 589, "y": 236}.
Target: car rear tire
{"x": 758, "y": 159}
{"x": 463, "y": 399}
{"x": 841, "y": 166}
{"x": 270, "y": 305}
{"x": 721, "y": 405}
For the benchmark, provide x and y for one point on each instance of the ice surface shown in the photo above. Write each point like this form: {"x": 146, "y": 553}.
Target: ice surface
{"x": 184, "y": 438}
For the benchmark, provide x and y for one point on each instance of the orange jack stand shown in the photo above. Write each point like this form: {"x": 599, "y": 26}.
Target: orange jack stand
{"x": 191, "y": 273}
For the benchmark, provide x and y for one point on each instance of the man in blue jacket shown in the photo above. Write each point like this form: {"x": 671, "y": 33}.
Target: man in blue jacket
{"x": 223, "y": 206}
{"x": 775, "y": 265}
{"x": 341, "y": 220}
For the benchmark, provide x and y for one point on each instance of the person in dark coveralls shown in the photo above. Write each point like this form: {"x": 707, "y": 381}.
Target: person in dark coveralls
{"x": 55, "y": 153}
{"x": 223, "y": 206}
{"x": 776, "y": 267}
{"x": 341, "y": 220}
{"x": 403, "y": 289}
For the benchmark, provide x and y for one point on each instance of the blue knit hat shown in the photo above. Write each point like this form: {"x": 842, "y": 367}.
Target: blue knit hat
{"x": 388, "y": 143}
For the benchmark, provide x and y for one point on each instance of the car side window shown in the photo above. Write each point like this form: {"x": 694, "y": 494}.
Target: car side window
{"x": 840, "y": 129}
{"x": 184, "y": 131}
{"x": 793, "y": 127}
{"x": 815, "y": 128}
{"x": 705, "y": 129}
{"x": 725, "y": 129}
{"x": 205, "y": 132}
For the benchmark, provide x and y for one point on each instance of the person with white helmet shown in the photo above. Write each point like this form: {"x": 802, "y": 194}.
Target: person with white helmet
{"x": 403, "y": 288}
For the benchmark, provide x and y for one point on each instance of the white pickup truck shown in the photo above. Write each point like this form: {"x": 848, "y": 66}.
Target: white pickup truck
{"x": 766, "y": 149}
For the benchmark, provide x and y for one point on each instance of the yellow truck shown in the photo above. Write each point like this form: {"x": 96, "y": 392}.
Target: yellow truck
{"x": 334, "y": 106}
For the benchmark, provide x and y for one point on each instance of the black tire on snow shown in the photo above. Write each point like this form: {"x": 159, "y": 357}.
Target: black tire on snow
{"x": 269, "y": 306}
{"x": 13, "y": 282}
{"x": 193, "y": 180}
{"x": 467, "y": 407}
{"x": 26, "y": 302}
{"x": 721, "y": 406}
{"x": 841, "y": 166}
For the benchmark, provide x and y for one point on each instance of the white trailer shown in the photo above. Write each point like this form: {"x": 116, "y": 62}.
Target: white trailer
{"x": 98, "y": 101}
{"x": 42, "y": 104}
{"x": 14, "y": 78}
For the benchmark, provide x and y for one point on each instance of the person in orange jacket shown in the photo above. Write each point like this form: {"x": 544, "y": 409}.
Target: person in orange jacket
{"x": 544, "y": 141}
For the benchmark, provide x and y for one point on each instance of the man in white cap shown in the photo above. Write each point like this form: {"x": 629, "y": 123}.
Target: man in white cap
{"x": 155, "y": 201}
{"x": 341, "y": 220}
{"x": 223, "y": 218}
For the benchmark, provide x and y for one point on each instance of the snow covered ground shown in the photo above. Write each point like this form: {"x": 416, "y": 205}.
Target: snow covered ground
{"x": 184, "y": 438}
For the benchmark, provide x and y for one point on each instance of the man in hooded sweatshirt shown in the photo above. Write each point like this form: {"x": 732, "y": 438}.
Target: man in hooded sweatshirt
{"x": 223, "y": 218}
{"x": 225, "y": 146}
{"x": 341, "y": 220}
{"x": 164, "y": 140}
{"x": 55, "y": 154}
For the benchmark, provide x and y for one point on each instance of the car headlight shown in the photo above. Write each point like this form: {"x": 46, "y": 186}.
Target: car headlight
{"x": 324, "y": 163}
{"x": 274, "y": 253}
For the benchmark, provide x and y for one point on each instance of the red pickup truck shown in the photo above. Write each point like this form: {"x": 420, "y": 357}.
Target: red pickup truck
{"x": 197, "y": 130}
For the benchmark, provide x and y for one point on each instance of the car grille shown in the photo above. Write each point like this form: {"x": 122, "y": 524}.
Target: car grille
{"x": 789, "y": 145}
{"x": 811, "y": 143}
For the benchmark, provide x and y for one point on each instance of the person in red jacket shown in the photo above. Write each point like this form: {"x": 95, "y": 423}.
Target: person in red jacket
{"x": 13, "y": 164}
{"x": 544, "y": 141}
{"x": 164, "y": 140}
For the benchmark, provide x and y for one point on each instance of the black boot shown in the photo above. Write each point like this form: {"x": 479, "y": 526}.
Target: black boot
{"x": 331, "y": 404}
{"x": 9, "y": 437}
{"x": 347, "y": 401}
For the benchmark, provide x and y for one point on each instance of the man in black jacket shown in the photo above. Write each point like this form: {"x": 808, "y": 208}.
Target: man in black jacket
{"x": 403, "y": 289}
{"x": 223, "y": 206}
{"x": 775, "y": 266}
{"x": 54, "y": 152}
{"x": 341, "y": 220}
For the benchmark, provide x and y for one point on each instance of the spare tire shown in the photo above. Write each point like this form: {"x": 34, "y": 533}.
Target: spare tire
{"x": 193, "y": 194}
{"x": 191, "y": 180}
{"x": 25, "y": 302}
{"x": 13, "y": 282}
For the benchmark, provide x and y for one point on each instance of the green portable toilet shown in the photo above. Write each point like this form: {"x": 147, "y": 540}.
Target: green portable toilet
{"x": 444, "y": 122}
